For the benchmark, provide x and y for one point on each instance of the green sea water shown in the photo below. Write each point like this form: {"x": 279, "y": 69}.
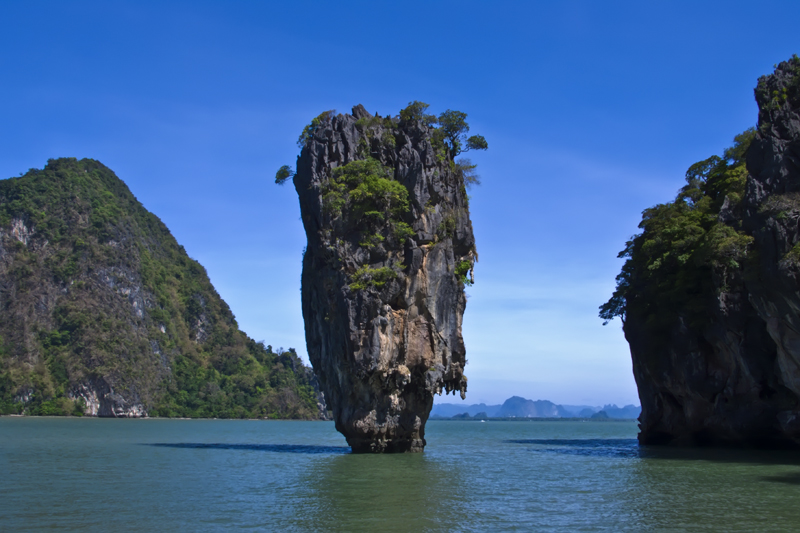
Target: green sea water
{"x": 215, "y": 475}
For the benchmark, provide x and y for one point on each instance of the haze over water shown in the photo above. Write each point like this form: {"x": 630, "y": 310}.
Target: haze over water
{"x": 208, "y": 475}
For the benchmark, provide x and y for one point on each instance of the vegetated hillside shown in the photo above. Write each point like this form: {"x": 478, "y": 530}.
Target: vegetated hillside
{"x": 709, "y": 294}
{"x": 103, "y": 313}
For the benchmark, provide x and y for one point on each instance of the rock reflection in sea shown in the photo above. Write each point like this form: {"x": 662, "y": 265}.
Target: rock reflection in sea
{"x": 408, "y": 492}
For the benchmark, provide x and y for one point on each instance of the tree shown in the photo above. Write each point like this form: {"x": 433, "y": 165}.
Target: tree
{"x": 466, "y": 168}
{"x": 416, "y": 111}
{"x": 283, "y": 174}
{"x": 454, "y": 127}
{"x": 309, "y": 130}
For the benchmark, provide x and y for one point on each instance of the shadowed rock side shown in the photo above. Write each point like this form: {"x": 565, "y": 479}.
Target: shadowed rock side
{"x": 723, "y": 367}
{"x": 383, "y": 284}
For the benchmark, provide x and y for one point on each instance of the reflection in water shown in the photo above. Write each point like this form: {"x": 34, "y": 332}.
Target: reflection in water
{"x": 589, "y": 447}
{"x": 404, "y": 492}
{"x": 632, "y": 488}
{"x": 790, "y": 478}
{"x": 278, "y": 448}
{"x": 630, "y": 448}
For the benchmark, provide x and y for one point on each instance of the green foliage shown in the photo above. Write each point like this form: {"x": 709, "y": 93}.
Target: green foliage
{"x": 182, "y": 353}
{"x": 310, "y": 129}
{"x": 365, "y": 196}
{"x": 477, "y": 142}
{"x": 462, "y": 272}
{"x": 454, "y": 127}
{"x": 683, "y": 245}
{"x": 370, "y": 241}
{"x": 773, "y": 93}
{"x": 245, "y": 381}
{"x": 793, "y": 255}
{"x": 283, "y": 174}
{"x": 466, "y": 171}
{"x": 416, "y": 111}
{"x": 402, "y": 232}
{"x": 447, "y": 226}
{"x": 368, "y": 123}
{"x": 367, "y": 276}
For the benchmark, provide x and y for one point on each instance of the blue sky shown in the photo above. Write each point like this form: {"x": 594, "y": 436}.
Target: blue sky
{"x": 592, "y": 110}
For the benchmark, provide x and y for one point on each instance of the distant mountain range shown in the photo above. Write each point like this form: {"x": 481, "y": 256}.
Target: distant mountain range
{"x": 518, "y": 407}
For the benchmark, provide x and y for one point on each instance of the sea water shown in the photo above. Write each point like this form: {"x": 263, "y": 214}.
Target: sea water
{"x": 214, "y": 475}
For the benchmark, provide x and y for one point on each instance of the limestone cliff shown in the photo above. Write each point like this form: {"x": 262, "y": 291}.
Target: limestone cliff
{"x": 103, "y": 313}
{"x": 390, "y": 247}
{"x": 710, "y": 294}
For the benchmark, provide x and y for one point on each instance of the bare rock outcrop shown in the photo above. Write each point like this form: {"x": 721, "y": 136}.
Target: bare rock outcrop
{"x": 390, "y": 247}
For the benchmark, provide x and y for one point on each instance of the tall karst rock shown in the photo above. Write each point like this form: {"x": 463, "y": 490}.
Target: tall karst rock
{"x": 710, "y": 294}
{"x": 103, "y": 313}
{"x": 390, "y": 248}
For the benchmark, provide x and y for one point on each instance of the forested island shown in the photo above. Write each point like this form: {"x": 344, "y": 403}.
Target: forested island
{"x": 103, "y": 313}
{"x": 709, "y": 294}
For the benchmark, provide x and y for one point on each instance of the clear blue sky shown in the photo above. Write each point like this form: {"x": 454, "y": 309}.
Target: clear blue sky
{"x": 593, "y": 111}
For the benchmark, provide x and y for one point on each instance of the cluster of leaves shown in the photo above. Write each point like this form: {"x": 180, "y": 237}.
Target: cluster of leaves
{"x": 310, "y": 129}
{"x": 367, "y": 276}
{"x": 103, "y": 248}
{"x": 466, "y": 170}
{"x": 773, "y": 92}
{"x": 365, "y": 195}
{"x": 245, "y": 381}
{"x": 283, "y": 174}
{"x": 451, "y": 128}
{"x": 671, "y": 265}
{"x": 369, "y": 127}
{"x": 449, "y": 137}
{"x": 462, "y": 272}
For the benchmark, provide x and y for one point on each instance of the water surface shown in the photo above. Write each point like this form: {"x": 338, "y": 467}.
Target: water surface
{"x": 211, "y": 475}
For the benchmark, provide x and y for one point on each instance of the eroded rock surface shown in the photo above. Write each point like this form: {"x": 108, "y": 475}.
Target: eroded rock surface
{"x": 733, "y": 376}
{"x": 382, "y": 286}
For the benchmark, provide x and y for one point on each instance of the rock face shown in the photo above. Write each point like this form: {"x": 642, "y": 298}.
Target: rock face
{"x": 383, "y": 280}
{"x": 103, "y": 313}
{"x": 723, "y": 368}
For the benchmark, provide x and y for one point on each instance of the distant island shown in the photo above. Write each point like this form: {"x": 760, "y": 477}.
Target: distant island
{"x": 518, "y": 407}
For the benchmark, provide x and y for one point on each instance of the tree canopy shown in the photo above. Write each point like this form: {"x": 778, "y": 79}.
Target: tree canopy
{"x": 683, "y": 244}
{"x": 283, "y": 174}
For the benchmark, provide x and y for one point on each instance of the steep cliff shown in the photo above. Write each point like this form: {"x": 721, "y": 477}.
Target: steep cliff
{"x": 390, "y": 247}
{"x": 103, "y": 313}
{"x": 709, "y": 295}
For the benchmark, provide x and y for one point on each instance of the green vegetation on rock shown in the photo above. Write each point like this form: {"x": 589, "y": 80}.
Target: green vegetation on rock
{"x": 362, "y": 198}
{"x": 364, "y": 195}
{"x": 309, "y": 130}
{"x": 101, "y": 305}
{"x": 686, "y": 243}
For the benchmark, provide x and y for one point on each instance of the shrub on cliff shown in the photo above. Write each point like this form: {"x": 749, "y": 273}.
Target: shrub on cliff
{"x": 683, "y": 243}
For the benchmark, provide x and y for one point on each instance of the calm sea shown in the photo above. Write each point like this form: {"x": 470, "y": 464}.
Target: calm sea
{"x": 214, "y": 475}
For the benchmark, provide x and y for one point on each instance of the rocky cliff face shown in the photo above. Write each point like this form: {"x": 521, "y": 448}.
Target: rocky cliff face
{"x": 715, "y": 340}
{"x": 103, "y": 313}
{"x": 390, "y": 246}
